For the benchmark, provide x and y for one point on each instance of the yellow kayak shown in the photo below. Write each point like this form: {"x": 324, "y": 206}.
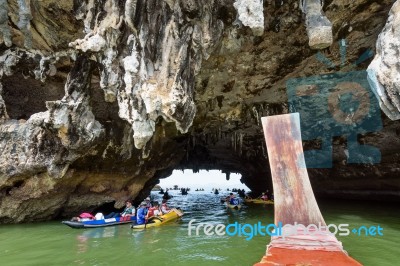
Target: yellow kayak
{"x": 163, "y": 219}
{"x": 258, "y": 201}
{"x": 235, "y": 207}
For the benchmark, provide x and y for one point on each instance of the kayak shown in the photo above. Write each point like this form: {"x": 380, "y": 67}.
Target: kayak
{"x": 163, "y": 219}
{"x": 100, "y": 223}
{"x": 258, "y": 201}
{"x": 234, "y": 207}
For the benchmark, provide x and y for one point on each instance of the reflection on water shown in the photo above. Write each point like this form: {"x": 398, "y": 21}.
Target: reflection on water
{"x": 57, "y": 244}
{"x": 109, "y": 231}
{"x": 100, "y": 232}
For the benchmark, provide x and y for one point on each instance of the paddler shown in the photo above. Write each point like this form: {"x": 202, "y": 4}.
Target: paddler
{"x": 233, "y": 200}
{"x": 154, "y": 211}
{"x": 263, "y": 196}
{"x": 164, "y": 208}
{"x": 141, "y": 213}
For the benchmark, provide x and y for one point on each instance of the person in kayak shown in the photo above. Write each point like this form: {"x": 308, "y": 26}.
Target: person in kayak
{"x": 141, "y": 213}
{"x": 227, "y": 198}
{"x": 148, "y": 202}
{"x": 233, "y": 200}
{"x": 154, "y": 211}
{"x": 83, "y": 217}
{"x": 242, "y": 193}
{"x": 166, "y": 195}
{"x": 164, "y": 208}
{"x": 263, "y": 197}
{"x": 128, "y": 211}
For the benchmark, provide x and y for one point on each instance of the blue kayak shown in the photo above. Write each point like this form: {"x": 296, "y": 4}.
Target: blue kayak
{"x": 100, "y": 223}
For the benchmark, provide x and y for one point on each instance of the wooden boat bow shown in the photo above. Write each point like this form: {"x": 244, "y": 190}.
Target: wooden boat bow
{"x": 295, "y": 201}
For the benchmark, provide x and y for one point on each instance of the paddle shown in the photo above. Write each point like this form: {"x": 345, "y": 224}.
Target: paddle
{"x": 146, "y": 219}
{"x": 151, "y": 219}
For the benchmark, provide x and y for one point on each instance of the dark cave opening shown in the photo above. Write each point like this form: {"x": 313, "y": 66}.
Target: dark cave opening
{"x": 27, "y": 96}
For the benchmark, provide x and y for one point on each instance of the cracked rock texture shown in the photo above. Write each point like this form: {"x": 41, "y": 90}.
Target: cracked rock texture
{"x": 101, "y": 99}
{"x": 384, "y": 72}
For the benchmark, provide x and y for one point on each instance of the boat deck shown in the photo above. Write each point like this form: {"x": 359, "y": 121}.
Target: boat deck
{"x": 292, "y": 257}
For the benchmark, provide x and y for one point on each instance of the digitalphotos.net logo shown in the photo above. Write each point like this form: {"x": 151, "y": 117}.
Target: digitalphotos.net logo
{"x": 336, "y": 104}
{"x": 279, "y": 230}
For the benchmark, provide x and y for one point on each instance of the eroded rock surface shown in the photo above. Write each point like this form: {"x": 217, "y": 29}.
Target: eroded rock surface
{"x": 114, "y": 95}
{"x": 383, "y": 73}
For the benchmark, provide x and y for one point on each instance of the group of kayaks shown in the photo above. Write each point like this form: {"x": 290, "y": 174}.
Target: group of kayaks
{"x": 174, "y": 214}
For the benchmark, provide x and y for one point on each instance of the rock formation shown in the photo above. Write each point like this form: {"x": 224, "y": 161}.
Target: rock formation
{"x": 383, "y": 72}
{"x": 101, "y": 99}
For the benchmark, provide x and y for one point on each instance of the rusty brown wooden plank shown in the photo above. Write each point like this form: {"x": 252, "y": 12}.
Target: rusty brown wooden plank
{"x": 293, "y": 194}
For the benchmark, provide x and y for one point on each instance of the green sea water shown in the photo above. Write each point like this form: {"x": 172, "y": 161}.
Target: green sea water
{"x": 52, "y": 243}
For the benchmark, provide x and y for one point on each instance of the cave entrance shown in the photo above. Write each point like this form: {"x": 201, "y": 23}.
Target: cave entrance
{"x": 202, "y": 180}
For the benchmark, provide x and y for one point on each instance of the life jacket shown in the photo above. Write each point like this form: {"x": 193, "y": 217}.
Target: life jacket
{"x": 164, "y": 208}
{"x": 130, "y": 211}
{"x": 264, "y": 197}
{"x": 151, "y": 211}
{"x": 141, "y": 215}
{"x": 234, "y": 201}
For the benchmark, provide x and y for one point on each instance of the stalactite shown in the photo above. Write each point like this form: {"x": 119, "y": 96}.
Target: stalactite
{"x": 241, "y": 135}
{"x": 261, "y": 112}
{"x": 146, "y": 151}
{"x": 250, "y": 13}
{"x": 24, "y": 23}
{"x": 4, "y": 28}
{"x": 256, "y": 115}
{"x": 319, "y": 28}
{"x": 187, "y": 151}
{"x": 264, "y": 153}
{"x": 235, "y": 141}
{"x": 3, "y": 109}
{"x": 130, "y": 11}
{"x": 285, "y": 108}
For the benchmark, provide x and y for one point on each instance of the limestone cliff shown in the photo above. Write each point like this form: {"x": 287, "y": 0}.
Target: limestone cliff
{"x": 100, "y": 99}
{"x": 383, "y": 71}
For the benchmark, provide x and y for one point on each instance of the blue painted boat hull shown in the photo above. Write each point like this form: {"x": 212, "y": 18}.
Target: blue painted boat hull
{"x": 99, "y": 223}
